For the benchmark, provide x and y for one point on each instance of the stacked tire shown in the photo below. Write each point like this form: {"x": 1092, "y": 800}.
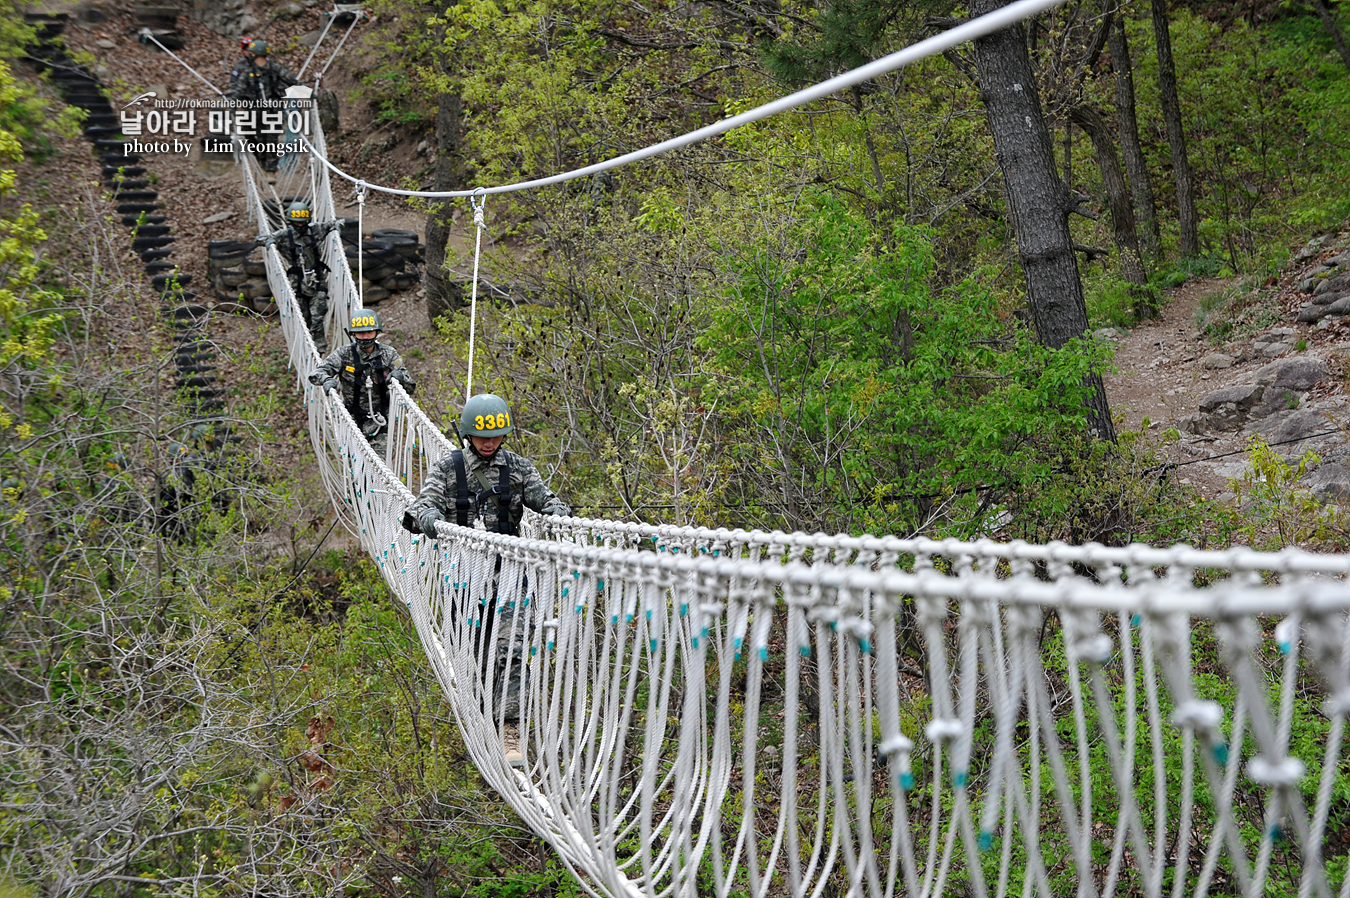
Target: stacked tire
{"x": 388, "y": 261}
{"x": 239, "y": 277}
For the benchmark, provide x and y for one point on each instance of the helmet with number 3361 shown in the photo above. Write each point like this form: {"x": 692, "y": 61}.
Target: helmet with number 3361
{"x": 485, "y": 415}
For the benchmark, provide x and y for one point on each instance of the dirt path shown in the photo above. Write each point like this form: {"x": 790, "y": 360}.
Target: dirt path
{"x": 1156, "y": 374}
{"x": 1160, "y": 378}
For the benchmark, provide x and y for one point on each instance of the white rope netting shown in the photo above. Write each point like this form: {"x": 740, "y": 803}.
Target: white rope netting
{"x": 724, "y": 712}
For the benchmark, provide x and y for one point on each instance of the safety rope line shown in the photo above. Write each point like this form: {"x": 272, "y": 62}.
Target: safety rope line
{"x": 146, "y": 33}
{"x": 322, "y": 34}
{"x": 360, "y": 243}
{"x": 356, "y": 17}
{"x": 947, "y": 40}
{"x": 477, "y": 202}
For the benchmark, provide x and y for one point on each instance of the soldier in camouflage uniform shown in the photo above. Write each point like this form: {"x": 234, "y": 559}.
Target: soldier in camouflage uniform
{"x": 242, "y": 66}
{"x": 264, "y": 80}
{"x": 485, "y": 485}
{"x": 299, "y": 240}
{"x": 362, "y": 370}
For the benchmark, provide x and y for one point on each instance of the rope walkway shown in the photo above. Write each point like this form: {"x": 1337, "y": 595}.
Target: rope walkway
{"x": 719, "y": 712}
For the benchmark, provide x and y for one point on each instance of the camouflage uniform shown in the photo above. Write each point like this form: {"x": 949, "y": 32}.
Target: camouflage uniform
{"x": 483, "y": 482}
{"x": 527, "y": 488}
{"x": 300, "y": 247}
{"x": 384, "y": 364}
{"x": 237, "y": 75}
{"x": 268, "y": 82}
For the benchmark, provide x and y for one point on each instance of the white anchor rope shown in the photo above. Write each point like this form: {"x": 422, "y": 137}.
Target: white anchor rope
{"x": 721, "y": 711}
{"x": 318, "y": 43}
{"x": 356, "y": 14}
{"x": 478, "y": 203}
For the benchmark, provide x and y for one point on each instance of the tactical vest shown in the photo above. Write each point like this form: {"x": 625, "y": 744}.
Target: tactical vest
{"x": 379, "y": 375}
{"x": 262, "y": 84}
{"x": 502, "y": 490}
{"x": 301, "y": 249}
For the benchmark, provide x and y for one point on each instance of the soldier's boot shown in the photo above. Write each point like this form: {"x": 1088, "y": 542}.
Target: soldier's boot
{"x": 380, "y": 443}
{"x": 511, "y": 745}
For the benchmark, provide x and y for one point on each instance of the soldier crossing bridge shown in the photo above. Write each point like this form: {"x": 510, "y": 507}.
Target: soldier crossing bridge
{"x": 721, "y": 712}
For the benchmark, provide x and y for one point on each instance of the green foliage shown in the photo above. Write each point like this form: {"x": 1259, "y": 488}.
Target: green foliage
{"x": 1111, "y": 302}
{"x": 1234, "y": 310}
{"x": 840, "y": 369}
{"x": 1266, "y": 117}
{"x": 1125, "y": 701}
{"x": 1276, "y": 511}
{"x": 400, "y": 81}
{"x": 846, "y": 34}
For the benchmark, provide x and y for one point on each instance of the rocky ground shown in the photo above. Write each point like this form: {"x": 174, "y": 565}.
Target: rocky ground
{"x": 1281, "y": 378}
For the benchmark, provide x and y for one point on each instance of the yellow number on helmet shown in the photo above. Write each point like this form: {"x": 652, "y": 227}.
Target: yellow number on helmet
{"x": 498, "y": 420}
{"x": 478, "y": 423}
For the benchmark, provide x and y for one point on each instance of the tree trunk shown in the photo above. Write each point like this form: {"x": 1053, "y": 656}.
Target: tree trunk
{"x": 1038, "y": 201}
{"x": 1068, "y": 154}
{"x": 1127, "y": 125}
{"x": 444, "y": 295}
{"x": 1188, "y": 245}
{"x": 1118, "y": 201}
{"x": 1329, "y": 23}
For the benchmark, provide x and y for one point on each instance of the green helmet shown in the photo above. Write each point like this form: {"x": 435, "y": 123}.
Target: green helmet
{"x": 485, "y": 415}
{"x": 258, "y": 47}
{"x": 298, "y": 213}
{"x": 365, "y": 320}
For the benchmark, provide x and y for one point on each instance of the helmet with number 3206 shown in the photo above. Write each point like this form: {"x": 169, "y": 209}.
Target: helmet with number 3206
{"x": 365, "y": 321}
{"x": 485, "y": 415}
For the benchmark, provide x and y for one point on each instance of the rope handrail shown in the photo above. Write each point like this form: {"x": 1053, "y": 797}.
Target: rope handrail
{"x": 709, "y": 540}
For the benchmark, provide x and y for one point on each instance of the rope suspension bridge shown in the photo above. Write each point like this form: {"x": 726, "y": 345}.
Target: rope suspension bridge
{"x": 722, "y": 712}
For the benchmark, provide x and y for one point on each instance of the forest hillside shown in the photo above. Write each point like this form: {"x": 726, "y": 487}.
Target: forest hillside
{"x": 1084, "y": 280}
